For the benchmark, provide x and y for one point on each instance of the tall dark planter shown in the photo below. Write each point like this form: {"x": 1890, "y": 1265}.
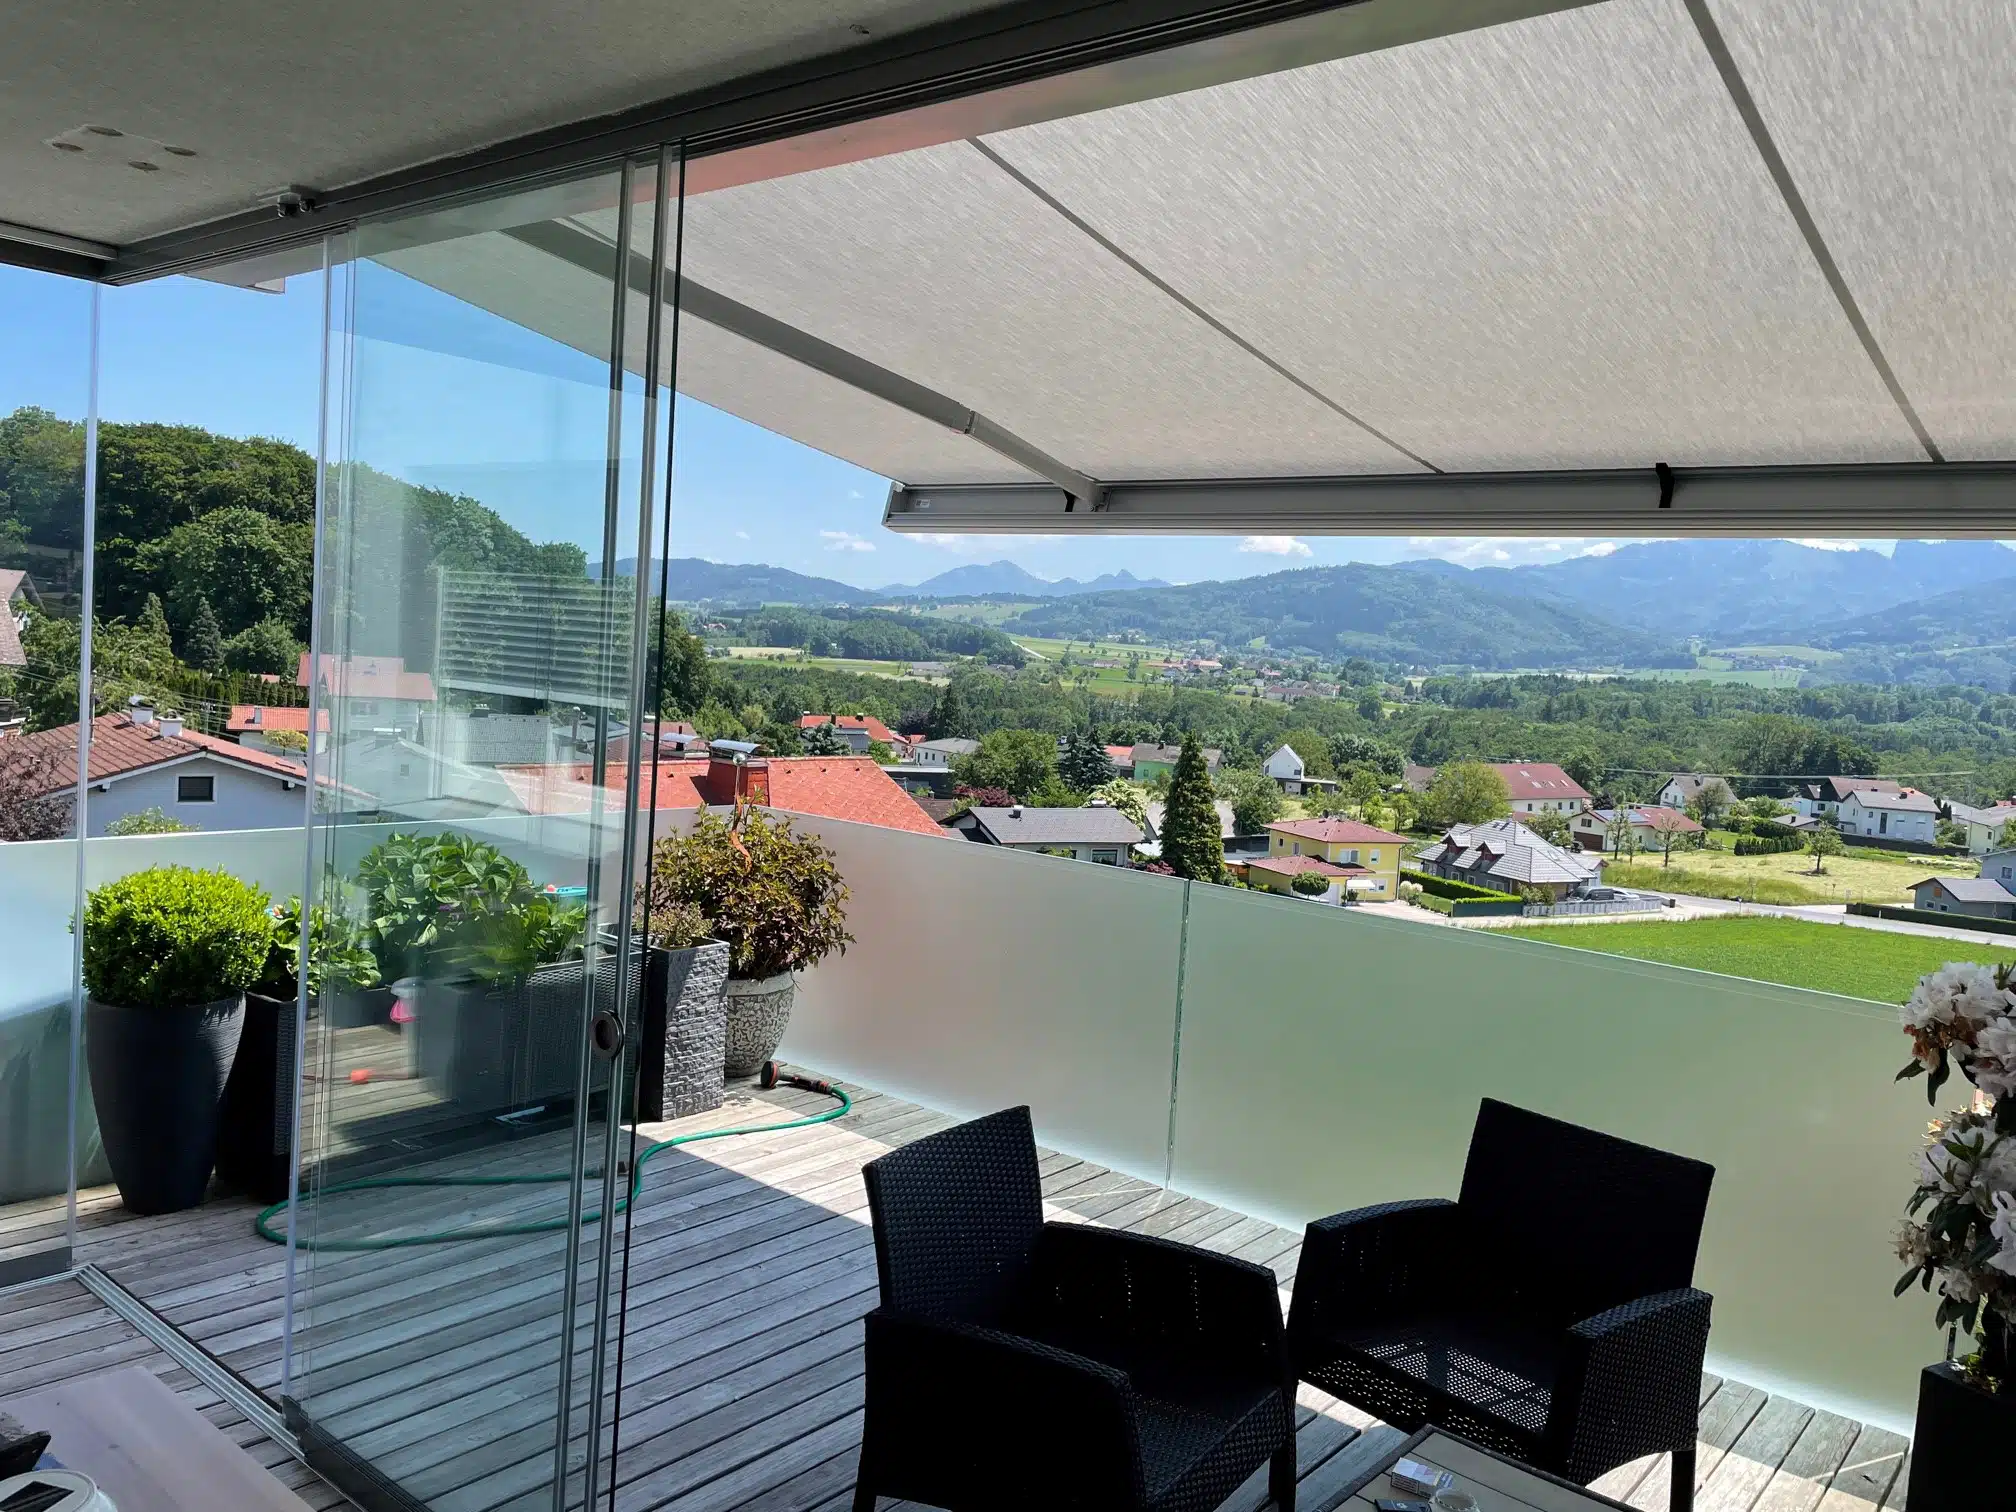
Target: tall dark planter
{"x": 1959, "y": 1458}
{"x": 157, "y": 1077}
{"x": 685, "y": 1027}
{"x": 255, "y": 1129}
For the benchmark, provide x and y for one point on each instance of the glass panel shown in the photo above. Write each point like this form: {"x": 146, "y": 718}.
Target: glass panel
{"x": 1334, "y": 1059}
{"x": 46, "y": 398}
{"x": 474, "y": 672}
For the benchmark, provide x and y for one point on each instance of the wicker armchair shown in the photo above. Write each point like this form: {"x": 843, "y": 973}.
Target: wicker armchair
{"x": 1015, "y": 1363}
{"x": 1548, "y": 1313}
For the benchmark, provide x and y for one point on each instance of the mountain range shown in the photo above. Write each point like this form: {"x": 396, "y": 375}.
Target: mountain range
{"x": 1931, "y": 611}
{"x": 1004, "y": 577}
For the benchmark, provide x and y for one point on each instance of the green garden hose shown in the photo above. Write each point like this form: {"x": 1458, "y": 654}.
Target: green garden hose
{"x": 262, "y": 1225}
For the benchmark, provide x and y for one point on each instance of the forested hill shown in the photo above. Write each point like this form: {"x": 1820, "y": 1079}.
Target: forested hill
{"x": 1387, "y": 614}
{"x": 198, "y": 519}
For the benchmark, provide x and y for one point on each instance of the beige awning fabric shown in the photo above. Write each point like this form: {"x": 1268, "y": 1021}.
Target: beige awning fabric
{"x": 1710, "y": 234}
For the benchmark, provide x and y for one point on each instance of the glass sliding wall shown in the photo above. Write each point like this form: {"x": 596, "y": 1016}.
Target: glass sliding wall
{"x": 47, "y": 415}
{"x": 496, "y": 454}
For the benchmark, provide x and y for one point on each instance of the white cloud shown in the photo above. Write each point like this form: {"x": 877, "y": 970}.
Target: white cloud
{"x": 1504, "y": 551}
{"x": 1282, "y": 546}
{"x": 1601, "y": 548}
{"x": 844, "y": 540}
{"x": 741, "y": 535}
{"x": 1818, "y": 545}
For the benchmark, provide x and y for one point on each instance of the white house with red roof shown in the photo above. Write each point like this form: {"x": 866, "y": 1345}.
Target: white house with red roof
{"x": 1532, "y": 787}
{"x": 1596, "y": 829}
{"x": 250, "y": 724}
{"x": 858, "y": 730}
{"x": 376, "y": 690}
{"x": 140, "y": 761}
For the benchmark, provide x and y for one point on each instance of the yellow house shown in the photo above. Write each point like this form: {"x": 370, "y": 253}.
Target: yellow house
{"x": 1362, "y": 861}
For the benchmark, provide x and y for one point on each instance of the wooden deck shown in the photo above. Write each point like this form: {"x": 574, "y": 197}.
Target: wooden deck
{"x": 751, "y": 1266}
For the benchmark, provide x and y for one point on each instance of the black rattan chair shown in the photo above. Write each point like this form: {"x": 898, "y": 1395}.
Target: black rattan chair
{"x": 1548, "y": 1313}
{"x": 1015, "y": 1363}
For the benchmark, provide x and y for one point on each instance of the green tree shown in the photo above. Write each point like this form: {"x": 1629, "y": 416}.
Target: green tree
{"x": 1710, "y": 803}
{"x": 685, "y": 680}
{"x": 1084, "y": 764}
{"x": 1362, "y": 789}
{"x": 779, "y": 739}
{"x": 1124, "y": 796}
{"x": 717, "y": 721}
{"x": 1020, "y": 761}
{"x": 1466, "y": 792}
{"x": 1313, "y": 748}
{"x": 1822, "y": 841}
{"x": 1620, "y": 835}
{"x": 245, "y": 564}
{"x": 1348, "y": 751}
{"x": 268, "y": 646}
{"x": 1584, "y": 770}
{"x": 1192, "y": 846}
{"x": 824, "y": 739}
{"x": 152, "y": 627}
{"x": 149, "y": 821}
{"x": 949, "y": 719}
{"x": 1553, "y": 828}
{"x": 1255, "y": 798}
{"x": 203, "y": 645}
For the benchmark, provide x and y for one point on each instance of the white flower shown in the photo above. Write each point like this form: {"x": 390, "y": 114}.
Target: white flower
{"x": 2004, "y": 1229}
{"x": 1912, "y": 1243}
{"x": 1997, "y": 1170}
{"x": 1943, "y": 1171}
{"x": 1958, "y": 1285}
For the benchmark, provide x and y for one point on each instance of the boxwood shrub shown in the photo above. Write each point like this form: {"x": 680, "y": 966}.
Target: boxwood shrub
{"x": 171, "y": 935}
{"x": 1449, "y": 887}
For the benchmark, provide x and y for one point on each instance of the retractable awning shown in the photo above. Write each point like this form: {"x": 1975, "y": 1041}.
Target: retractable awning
{"x": 1663, "y": 266}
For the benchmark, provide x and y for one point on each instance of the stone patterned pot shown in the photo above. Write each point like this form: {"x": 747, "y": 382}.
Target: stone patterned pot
{"x": 758, "y": 1014}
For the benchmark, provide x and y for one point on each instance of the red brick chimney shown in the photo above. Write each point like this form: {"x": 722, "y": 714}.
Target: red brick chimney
{"x": 730, "y": 779}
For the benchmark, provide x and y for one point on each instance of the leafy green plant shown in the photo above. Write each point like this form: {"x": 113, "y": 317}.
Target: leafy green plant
{"x": 1449, "y": 887}
{"x": 450, "y": 907}
{"x": 772, "y": 894}
{"x": 338, "y": 957}
{"x": 149, "y": 821}
{"x": 1310, "y": 884}
{"x": 672, "y": 925}
{"x": 171, "y": 935}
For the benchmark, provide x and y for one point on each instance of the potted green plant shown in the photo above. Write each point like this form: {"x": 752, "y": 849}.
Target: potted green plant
{"x": 1959, "y": 1235}
{"x": 255, "y": 1124}
{"x": 492, "y": 962}
{"x": 684, "y": 1033}
{"x": 168, "y": 955}
{"x": 774, "y": 897}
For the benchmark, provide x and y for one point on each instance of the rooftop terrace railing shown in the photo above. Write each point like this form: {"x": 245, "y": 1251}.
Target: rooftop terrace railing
{"x": 1275, "y": 1056}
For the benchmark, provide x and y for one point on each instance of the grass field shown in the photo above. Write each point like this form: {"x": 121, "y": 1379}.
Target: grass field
{"x": 1787, "y": 877}
{"x": 900, "y": 671}
{"x": 765, "y": 653}
{"x": 1865, "y": 963}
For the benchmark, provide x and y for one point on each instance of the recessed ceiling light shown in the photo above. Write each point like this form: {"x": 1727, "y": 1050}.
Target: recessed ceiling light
{"x": 109, "y": 147}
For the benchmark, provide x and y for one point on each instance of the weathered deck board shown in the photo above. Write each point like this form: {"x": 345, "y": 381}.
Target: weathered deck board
{"x": 750, "y": 1265}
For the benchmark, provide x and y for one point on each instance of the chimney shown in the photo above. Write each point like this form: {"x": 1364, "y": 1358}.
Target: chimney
{"x": 139, "y": 710}
{"x": 1014, "y": 811}
{"x": 171, "y": 725}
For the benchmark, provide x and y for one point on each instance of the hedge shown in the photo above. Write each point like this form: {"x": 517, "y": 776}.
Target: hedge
{"x": 1933, "y": 916}
{"x": 1746, "y": 845}
{"x": 1433, "y": 903}
{"x": 1448, "y": 887}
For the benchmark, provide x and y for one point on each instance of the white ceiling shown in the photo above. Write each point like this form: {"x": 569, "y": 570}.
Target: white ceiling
{"x": 287, "y": 92}
{"x": 1550, "y": 244}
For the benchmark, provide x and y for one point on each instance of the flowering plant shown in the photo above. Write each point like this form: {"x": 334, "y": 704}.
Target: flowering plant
{"x": 1960, "y": 1228}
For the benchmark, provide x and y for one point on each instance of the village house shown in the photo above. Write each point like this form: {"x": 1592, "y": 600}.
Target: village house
{"x": 1822, "y": 798}
{"x": 1982, "y": 827}
{"x": 1150, "y": 761}
{"x": 1903, "y": 815}
{"x": 1978, "y": 897}
{"x": 1506, "y": 856}
{"x": 858, "y": 730}
{"x": 1095, "y": 833}
{"x": 1531, "y": 787}
{"x": 1285, "y": 766}
{"x": 1363, "y": 860}
{"x": 1597, "y": 829}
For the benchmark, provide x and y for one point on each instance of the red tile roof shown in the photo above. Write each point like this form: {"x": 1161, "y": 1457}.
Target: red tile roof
{"x": 1337, "y": 831}
{"x": 1527, "y": 780}
{"x": 1120, "y": 755}
{"x": 120, "y": 747}
{"x": 369, "y": 677}
{"x": 853, "y": 788}
{"x": 875, "y": 728}
{"x": 1288, "y": 866}
{"x": 252, "y": 718}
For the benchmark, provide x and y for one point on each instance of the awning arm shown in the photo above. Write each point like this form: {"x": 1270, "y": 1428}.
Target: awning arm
{"x": 593, "y": 253}
{"x": 1879, "y": 500}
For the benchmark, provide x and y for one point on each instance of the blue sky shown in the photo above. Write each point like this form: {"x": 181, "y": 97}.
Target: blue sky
{"x": 462, "y": 400}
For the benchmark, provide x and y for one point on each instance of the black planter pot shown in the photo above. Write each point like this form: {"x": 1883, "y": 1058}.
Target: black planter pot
{"x": 1959, "y": 1458}
{"x": 255, "y": 1124}
{"x": 494, "y": 1050}
{"x": 685, "y": 1032}
{"x": 359, "y": 1008}
{"x": 157, "y": 1077}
